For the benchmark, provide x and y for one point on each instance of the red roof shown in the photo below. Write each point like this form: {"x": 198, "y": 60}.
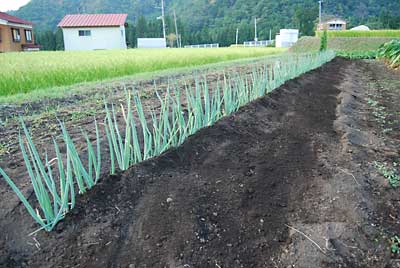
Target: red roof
{"x": 12, "y": 19}
{"x": 93, "y": 20}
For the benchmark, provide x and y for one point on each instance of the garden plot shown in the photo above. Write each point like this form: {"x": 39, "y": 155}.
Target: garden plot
{"x": 252, "y": 190}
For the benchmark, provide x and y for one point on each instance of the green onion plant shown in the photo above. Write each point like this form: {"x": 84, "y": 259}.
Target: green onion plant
{"x": 145, "y": 133}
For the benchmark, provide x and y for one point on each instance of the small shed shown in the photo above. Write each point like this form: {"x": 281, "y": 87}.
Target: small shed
{"x": 94, "y": 31}
{"x": 286, "y": 37}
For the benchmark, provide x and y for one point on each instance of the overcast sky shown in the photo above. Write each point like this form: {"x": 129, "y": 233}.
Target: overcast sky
{"x": 6, "y": 5}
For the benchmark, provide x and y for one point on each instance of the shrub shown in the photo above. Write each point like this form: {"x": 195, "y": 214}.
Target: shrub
{"x": 324, "y": 41}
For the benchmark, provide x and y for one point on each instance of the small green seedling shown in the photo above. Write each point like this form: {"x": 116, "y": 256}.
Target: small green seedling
{"x": 390, "y": 174}
{"x": 395, "y": 245}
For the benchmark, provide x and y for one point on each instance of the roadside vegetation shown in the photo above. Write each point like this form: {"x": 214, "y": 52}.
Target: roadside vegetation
{"x": 23, "y": 73}
{"x": 57, "y": 180}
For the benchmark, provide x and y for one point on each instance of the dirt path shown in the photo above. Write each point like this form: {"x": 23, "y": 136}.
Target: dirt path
{"x": 288, "y": 181}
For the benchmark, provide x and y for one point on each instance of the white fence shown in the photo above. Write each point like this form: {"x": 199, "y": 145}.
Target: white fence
{"x": 258, "y": 43}
{"x": 203, "y": 46}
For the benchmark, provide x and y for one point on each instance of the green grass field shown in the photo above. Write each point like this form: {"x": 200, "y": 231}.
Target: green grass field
{"x": 309, "y": 44}
{"x": 25, "y": 72}
{"x": 373, "y": 33}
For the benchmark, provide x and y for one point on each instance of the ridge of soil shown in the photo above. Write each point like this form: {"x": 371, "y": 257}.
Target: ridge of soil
{"x": 285, "y": 182}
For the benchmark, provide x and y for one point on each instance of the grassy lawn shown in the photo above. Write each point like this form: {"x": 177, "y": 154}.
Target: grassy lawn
{"x": 25, "y": 72}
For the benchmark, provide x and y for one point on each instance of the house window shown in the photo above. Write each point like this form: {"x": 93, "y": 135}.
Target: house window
{"x": 16, "y": 35}
{"x": 0, "y": 35}
{"x": 28, "y": 36}
{"x": 85, "y": 33}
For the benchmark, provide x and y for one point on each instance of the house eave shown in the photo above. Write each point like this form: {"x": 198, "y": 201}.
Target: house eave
{"x": 7, "y": 23}
{"x": 79, "y": 27}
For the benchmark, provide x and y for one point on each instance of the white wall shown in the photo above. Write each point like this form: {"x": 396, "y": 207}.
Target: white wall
{"x": 101, "y": 38}
{"x": 151, "y": 43}
{"x": 287, "y": 37}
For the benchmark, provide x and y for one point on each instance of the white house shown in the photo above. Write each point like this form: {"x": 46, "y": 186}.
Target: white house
{"x": 334, "y": 24}
{"x": 94, "y": 31}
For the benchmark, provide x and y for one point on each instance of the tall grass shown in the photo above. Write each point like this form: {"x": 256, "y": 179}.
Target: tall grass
{"x": 178, "y": 118}
{"x": 372, "y": 33}
{"x": 24, "y": 72}
{"x": 312, "y": 44}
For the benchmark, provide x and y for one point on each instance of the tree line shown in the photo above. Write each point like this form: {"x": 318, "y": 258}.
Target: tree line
{"x": 304, "y": 19}
{"x": 152, "y": 28}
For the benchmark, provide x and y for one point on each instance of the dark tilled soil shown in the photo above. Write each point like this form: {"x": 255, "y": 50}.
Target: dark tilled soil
{"x": 287, "y": 181}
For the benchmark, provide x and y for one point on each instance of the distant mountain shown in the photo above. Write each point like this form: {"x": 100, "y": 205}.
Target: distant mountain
{"x": 48, "y": 13}
{"x": 200, "y": 13}
{"x": 212, "y": 15}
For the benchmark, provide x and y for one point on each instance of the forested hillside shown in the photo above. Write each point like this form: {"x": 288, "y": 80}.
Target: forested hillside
{"x": 216, "y": 20}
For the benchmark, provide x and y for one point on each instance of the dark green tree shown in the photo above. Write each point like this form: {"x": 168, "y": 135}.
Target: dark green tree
{"x": 141, "y": 27}
{"x": 59, "y": 39}
{"x": 305, "y": 19}
{"x": 131, "y": 36}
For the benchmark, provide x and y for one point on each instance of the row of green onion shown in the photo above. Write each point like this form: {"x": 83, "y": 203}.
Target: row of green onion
{"x": 145, "y": 137}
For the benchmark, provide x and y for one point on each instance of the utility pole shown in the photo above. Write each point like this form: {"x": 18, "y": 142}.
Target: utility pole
{"x": 163, "y": 18}
{"x": 178, "y": 43}
{"x": 320, "y": 11}
{"x": 237, "y": 36}
{"x": 270, "y": 35}
{"x": 255, "y": 29}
